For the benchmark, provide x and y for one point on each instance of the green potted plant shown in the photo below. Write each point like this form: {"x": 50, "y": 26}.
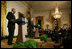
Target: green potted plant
{"x": 43, "y": 38}
{"x": 28, "y": 44}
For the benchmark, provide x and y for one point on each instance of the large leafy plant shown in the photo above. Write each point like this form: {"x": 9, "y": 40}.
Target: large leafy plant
{"x": 27, "y": 44}
{"x": 43, "y": 38}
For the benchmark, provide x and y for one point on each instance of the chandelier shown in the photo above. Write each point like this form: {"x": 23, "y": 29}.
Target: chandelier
{"x": 57, "y": 13}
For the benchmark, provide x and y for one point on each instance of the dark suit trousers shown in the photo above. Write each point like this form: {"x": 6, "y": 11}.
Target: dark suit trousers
{"x": 11, "y": 34}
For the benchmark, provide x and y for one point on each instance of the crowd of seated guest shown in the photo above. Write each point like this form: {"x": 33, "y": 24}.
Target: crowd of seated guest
{"x": 63, "y": 33}
{"x": 55, "y": 35}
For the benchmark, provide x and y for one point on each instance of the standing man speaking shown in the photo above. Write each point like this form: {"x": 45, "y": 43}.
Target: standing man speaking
{"x": 11, "y": 25}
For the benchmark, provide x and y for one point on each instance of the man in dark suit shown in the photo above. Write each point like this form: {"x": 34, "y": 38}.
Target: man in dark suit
{"x": 30, "y": 27}
{"x": 11, "y": 25}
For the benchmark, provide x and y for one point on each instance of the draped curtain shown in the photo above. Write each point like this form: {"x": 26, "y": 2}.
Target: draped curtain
{"x": 53, "y": 23}
{"x": 59, "y": 23}
{"x": 3, "y": 16}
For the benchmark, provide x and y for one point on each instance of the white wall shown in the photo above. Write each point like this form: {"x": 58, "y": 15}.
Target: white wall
{"x": 64, "y": 19}
{"x": 45, "y": 14}
{"x": 20, "y": 7}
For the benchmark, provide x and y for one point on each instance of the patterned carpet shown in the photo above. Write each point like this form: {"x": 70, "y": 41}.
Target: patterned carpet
{"x": 48, "y": 44}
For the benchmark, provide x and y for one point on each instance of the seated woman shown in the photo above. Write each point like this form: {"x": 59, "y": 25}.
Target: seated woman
{"x": 36, "y": 33}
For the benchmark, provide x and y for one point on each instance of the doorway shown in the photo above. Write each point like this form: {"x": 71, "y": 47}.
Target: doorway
{"x": 40, "y": 21}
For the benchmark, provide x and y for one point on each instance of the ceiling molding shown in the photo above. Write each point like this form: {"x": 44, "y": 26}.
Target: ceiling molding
{"x": 50, "y": 5}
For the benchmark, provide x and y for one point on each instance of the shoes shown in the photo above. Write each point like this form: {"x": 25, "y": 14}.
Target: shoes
{"x": 10, "y": 43}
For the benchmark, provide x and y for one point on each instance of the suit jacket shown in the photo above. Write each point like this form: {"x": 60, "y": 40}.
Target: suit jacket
{"x": 30, "y": 25}
{"x": 10, "y": 16}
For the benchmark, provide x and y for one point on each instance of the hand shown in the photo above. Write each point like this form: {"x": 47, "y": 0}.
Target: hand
{"x": 13, "y": 20}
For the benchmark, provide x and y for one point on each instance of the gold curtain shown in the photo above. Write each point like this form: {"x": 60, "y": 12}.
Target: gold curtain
{"x": 42, "y": 23}
{"x": 3, "y": 16}
{"x": 70, "y": 20}
{"x": 51, "y": 20}
{"x": 53, "y": 23}
{"x": 59, "y": 23}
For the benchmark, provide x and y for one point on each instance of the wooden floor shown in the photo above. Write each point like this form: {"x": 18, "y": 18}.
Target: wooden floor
{"x": 49, "y": 44}
{"x": 5, "y": 45}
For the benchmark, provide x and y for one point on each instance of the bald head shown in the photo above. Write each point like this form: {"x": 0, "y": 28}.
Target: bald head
{"x": 13, "y": 10}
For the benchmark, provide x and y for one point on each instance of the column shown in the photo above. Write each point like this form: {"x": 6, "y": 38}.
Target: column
{"x": 3, "y": 16}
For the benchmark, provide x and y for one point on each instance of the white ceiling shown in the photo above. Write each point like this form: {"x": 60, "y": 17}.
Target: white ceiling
{"x": 49, "y": 5}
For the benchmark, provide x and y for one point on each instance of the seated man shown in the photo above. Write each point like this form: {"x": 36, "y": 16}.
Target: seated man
{"x": 46, "y": 32}
{"x": 43, "y": 32}
{"x": 66, "y": 40}
{"x": 40, "y": 32}
{"x": 66, "y": 43}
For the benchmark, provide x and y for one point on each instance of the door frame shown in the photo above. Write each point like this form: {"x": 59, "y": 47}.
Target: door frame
{"x": 42, "y": 21}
